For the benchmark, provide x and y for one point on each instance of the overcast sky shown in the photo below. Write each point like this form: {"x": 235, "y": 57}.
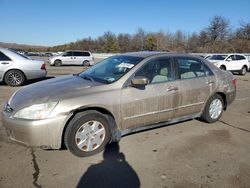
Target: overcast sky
{"x": 53, "y": 22}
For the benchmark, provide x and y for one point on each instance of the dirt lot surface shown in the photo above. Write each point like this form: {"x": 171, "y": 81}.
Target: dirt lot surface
{"x": 189, "y": 154}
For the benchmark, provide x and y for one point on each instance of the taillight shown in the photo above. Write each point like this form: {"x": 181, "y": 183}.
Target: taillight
{"x": 234, "y": 82}
{"x": 43, "y": 67}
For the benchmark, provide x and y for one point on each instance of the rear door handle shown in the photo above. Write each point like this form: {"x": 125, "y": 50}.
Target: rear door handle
{"x": 172, "y": 88}
{"x": 4, "y": 63}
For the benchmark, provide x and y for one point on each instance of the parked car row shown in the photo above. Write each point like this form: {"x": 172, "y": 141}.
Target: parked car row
{"x": 40, "y": 54}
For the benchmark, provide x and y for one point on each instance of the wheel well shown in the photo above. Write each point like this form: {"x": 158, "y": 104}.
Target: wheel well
{"x": 224, "y": 99}
{"x": 245, "y": 66}
{"x": 57, "y": 60}
{"x": 98, "y": 109}
{"x": 11, "y": 70}
{"x": 224, "y": 67}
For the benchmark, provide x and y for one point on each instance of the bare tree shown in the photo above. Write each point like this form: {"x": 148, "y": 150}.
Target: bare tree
{"x": 218, "y": 28}
{"x": 217, "y": 37}
{"x": 110, "y": 42}
{"x": 244, "y": 31}
{"x": 124, "y": 41}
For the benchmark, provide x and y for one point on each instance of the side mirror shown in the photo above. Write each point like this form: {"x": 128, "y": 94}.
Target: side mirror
{"x": 139, "y": 81}
{"x": 229, "y": 60}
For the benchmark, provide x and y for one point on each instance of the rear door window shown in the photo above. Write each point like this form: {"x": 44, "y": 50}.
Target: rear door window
{"x": 188, "y": 68}
{"x": 77, "y": 53}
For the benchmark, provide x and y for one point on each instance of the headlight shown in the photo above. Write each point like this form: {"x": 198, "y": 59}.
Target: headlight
{"x": 37, "y": 111}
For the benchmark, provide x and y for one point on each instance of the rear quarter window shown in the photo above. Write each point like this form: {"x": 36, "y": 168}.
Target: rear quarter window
{"x": 85, "y": 54}
{"x": 3, "y": 57}
{"x": 240, "y": 57}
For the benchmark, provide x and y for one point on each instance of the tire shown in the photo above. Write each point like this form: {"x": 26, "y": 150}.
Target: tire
{"x": 58, "y": 63}
{"x": 14, "y": 78}
{"x": 243, "y": 70}
{"x": 86, "y": 63}
{"x": 209, "y": 115}
{"x": 87, "y": 133}
{"x": 222, "y": 67}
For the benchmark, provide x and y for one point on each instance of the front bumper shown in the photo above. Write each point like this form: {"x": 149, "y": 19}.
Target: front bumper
{"x": 45, "y": 133}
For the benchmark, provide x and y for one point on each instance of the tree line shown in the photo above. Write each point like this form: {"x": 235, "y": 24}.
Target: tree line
{"x": 218, "y": 37}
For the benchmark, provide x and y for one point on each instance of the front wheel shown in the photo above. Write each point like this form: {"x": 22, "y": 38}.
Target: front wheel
{"x": 58, "y": 63}
{"x": 213, "y": 110}
{"x": 87, "y": 133}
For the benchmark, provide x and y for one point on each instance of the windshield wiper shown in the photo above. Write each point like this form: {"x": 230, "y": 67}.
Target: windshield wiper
{"x": 88, "y": 78}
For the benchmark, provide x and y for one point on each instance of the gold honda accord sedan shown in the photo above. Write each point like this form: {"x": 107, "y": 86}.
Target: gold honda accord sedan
{"x": 122, "y": 94}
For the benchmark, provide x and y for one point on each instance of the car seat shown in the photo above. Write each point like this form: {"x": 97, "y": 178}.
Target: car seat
{"x": 162, "y": 76}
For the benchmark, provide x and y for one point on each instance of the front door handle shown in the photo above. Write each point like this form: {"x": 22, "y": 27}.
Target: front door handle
{"x": 172, "y": 88}
{"x": 4, "y": 63}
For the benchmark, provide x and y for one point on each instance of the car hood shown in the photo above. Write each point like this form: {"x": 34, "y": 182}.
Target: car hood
{"x": 55, "y": 89}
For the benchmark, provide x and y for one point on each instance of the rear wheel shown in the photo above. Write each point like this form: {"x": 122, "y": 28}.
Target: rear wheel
{"x": 214, "y": 109}
{"x": 58, "y": 63}
{"x": 243, "y": 70}
{"x": 14, "y": 78}
{"x": 86, "y": 63}
{"x": 87, "y": 133}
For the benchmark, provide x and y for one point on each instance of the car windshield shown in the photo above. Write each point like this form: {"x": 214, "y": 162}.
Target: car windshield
{"x": 217, "y": 57}
{"x": 111, "y": 69}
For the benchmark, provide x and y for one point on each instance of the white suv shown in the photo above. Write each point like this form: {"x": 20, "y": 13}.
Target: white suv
{"x": 73, "y": 57}
{"x": 232, "y": 62}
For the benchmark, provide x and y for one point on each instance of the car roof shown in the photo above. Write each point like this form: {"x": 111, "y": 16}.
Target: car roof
{"x": 229, "y": 54}
{"x": 76, "y": 51}
{"x": 145, "y": 54}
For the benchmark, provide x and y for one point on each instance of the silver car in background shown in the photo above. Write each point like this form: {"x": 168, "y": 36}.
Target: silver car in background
{"x": 15, "y": 68}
